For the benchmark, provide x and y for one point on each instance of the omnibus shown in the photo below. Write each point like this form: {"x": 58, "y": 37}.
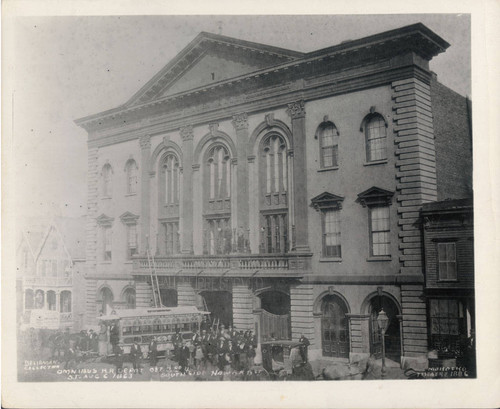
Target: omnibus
{"x": 142, "y": 324}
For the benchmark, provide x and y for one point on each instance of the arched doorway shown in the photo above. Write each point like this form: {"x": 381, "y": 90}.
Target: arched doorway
{"x": 51, "y": 300}
{"x": 220, "y": 304}
{"x": 393, "y": 332}
{"x": 168, "y": 297}
{"x": 29, "y": 299}
{"x": 275, "y": 316}
{"x": 65, "y": 301}
{"x": 129, "y": 298}
{"x": 105, "y": 301}
{"x": 334, "y": 327}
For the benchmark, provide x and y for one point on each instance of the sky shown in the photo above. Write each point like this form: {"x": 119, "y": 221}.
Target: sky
{"x": 69, "y": 67}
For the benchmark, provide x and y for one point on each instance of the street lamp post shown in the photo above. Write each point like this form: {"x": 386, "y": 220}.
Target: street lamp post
{"x": 383, "y": 321}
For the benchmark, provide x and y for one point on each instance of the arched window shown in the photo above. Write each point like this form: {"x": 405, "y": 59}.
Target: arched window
{"x": 107, "y": 174}
{"x": 168, "y": 203}
{"x": 39, "y": 299}
{"x": 171, "y": 179}
{"x": 65, "y": 301}
{"x": 376, "y": 138}
{"x": 219, "y": 170}
{"x": 328, "y": 136}
{"x": 273, "y": 169}
{"x": 218, "y": 237}
{"x": 129, "y": 298}
{"x": 131, "y": 171}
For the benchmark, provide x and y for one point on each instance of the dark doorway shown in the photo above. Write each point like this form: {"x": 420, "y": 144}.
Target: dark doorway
{"x": 168, "y": 297}
{"x": 220, "y": 304}
{"x": 392, "y": 334}
{"x": 334, "y": 327}
{"x": 275, "y": 317}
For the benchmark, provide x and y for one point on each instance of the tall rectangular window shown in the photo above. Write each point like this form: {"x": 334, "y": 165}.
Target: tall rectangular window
{"x": 331, "y": 233}
{"x": 447, "y": 261}
{"x": 376, "y": 138}
{"x": 328, "y": 135}
{"x": 131, "y": 240}
{"x": 380, "y": 231}
{"x": 107, "y": 243}
{"x": 54, "y": 268}
{"x": 171, "y": 237}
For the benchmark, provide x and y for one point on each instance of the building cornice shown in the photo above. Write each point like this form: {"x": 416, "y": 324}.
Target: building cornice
{"x": 225, "y": 108}
{"x": 416, "y": 38}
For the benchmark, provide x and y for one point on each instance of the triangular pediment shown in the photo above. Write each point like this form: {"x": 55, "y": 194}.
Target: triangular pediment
{"x": 327, "y": 200}
{"x": 104, "y": 220}
{"x": 129, "y": 218}
{"x": 375, "y": 196}
{"x": 209, "y": 59}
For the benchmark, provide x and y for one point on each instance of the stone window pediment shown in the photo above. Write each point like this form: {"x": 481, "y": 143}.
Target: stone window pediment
{"x": 327, "y": 200}
{"x": 104, "y": 221}
{"x": 375, "y": 196}
{"x": 129, "y": 218}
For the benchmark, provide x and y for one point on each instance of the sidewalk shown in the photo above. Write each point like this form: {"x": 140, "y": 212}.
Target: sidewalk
{"x": 393, "y": 370}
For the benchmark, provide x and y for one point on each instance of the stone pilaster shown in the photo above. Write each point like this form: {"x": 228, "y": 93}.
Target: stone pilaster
{"x": 145, "y": 143}
{"x": 416, "y": 175}
{"x": 242, "y": 308}
{"x": 187, "y": 190}
{"x": 91, "y": 235}
{"x": 297, "y": 112}
{"x": 302, "y": 320}
{"x": 90, "y": 302}
{"x": 92, "y": 198}
{"x": 240, "y": 123}
{"x": 143, "y": 294}
{"x": 186, "y": 295}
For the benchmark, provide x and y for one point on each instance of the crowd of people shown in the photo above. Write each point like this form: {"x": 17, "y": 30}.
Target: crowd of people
{"x": 210, "y": 347}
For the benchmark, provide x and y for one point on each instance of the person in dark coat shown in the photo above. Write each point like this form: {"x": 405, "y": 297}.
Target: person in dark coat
{"x": 205, "y": 324}
{"x": 94, "y": 339}
{"x": 114, "y": 333}
{"x": 183, "y": 357}
{"x": 177, "y": 343}
{"x": 303, "y": 348}
{"x": 118, "y": 352}
{"x": 222, "y": 350}
{"x": 153, "y": 352}
{"x": 135, "y": 355}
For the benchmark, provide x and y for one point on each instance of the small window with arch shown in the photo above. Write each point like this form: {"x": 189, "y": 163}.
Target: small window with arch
{"x": 328, "y": 136}
{"x": 375, "y": 129}
{"x": 131, "y": 171}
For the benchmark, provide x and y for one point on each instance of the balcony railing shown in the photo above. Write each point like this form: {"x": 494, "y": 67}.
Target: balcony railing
{"x": 281, "y": 262}
{"x": 33, "y": 281}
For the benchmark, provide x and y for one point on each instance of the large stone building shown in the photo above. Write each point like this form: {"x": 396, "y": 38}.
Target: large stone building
{"x": 280, "y": 190}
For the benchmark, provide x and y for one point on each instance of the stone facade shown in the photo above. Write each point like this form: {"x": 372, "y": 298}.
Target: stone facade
{"x": 279, "y": 190}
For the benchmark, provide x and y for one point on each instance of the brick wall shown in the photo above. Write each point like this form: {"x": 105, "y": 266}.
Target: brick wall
{"x": 453, "y": 142}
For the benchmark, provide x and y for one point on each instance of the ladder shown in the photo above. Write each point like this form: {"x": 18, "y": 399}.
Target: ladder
{"x": 154, "y": 278}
